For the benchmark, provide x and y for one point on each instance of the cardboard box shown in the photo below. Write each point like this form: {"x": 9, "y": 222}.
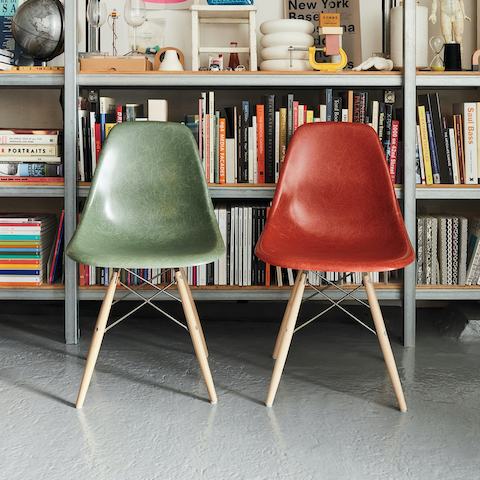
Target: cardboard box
{"x": 129, "y": 64}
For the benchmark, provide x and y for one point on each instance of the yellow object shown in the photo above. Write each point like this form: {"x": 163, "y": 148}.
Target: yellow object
{"x": 329, "y": 19}
{"x": 327, "y": 67}
{"x": 422, "y": 120}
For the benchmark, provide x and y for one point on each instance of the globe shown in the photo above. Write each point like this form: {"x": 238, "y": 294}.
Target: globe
{"x": 37, "y": 27}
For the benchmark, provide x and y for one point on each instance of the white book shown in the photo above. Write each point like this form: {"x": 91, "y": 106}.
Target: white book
{"x": 277, "y": 145}
{"x": 323, "y": 113}
{"x": 216, "y": 262}
{"x": 248, "y": 249}
{"x": 453, "y": 153}
{"x": 251, "y": 162}
{"x": 107, "y": 105}
{"x": 212, "y": 133}
{"x": 5, "y": 59}
{"x": 232, "y": 245}
{"x": 222, "y": 267}
{"x": 279, "y": 276}
{"x": 157, "y": 110}
{"x": 9, "y": 137}
{"x": 291, "y": 281}
{"x": 238, "y": 243}
{"x": 5, "y": 66}
{"x": 420, "y": 154}
{"x": 230, "y": 160}
{"x": 375, "y": 115}
{"x": 344, "y": 114}
{"x": 300, "y": 115}
{"x": 470, "y": 143}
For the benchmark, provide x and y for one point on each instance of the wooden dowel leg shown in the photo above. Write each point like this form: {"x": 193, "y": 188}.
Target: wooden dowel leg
{"x": 285, "y": 317}
{"x": 97, "y": 338}
{"x": 384, "y": 342}
{"x": 195, "y": 311}
{"x": 286, "y": 339}
{"x": 193, "y": 328}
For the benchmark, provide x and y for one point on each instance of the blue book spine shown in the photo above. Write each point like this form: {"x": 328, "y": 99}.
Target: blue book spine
{"x": 103, "y": 121}
{"x": 18, "y": 250}
{"x": 433, "y": 150}
{"x": 329, "y": 103}
{"x": 19, "y": 237}
{"x": 19, "y": 272}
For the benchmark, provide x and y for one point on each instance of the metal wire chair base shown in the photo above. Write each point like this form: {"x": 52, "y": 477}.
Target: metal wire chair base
{"x": 350, "y": 294}
{"x": 146, "y": 301}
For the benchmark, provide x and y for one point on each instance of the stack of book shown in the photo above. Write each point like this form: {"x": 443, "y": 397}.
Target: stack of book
{"x": 448, "y": 145}
{"x": 248, "y": 143}
{"x": 25, "y": 246}
{"x": 448, "y": 250}
{"x": 28, "y": 156}
{"x": 6, "y": 60}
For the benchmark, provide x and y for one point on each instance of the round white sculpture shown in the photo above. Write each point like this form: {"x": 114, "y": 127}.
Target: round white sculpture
{"x": 286, "y": 25}
{"x": 296, "y": 39}
{"x": 282, "y": 65}
{"x": 281, "y": 52}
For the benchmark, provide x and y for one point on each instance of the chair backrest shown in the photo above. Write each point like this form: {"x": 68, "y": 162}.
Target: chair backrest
{"x": 149, "y": 185}
{"x": 335, "y": 184}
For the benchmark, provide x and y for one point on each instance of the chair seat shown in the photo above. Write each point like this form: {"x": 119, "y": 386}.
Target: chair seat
{"x": 344, "y": 255}
{"x": 121, "y": 252}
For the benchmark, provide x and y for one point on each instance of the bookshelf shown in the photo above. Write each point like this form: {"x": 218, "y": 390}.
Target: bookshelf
{"x": 407, "y": 81}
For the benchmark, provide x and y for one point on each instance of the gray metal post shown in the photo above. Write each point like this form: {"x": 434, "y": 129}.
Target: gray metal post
{"x": 70, "y": 168}
{"x": 409, "y": 135}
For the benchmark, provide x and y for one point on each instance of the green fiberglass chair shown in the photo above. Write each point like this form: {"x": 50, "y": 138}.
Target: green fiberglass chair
{"x": 148, "y": 208}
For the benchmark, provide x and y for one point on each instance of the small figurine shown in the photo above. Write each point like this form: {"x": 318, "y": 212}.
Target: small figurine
{"x": 375, "y": 63}
{"x": 452, "y": 18}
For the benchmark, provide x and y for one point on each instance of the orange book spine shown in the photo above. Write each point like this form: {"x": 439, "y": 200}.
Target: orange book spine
{"x": 222, "y": 158}
{"x": 261, "y": 143}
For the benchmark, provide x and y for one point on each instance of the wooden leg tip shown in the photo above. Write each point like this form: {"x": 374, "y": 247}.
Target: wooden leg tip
{"x": 269, "y": 404}
{"x": 213, "y": 402}
{"x": 78, "y": 406}
{"x": 403, "y": 409}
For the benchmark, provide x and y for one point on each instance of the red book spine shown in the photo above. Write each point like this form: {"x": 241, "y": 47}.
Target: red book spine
{"x": 261, "y": 143}
{"x": 295, "y": 115}
{"x": 222, "y": 160}
{"x": 98, "y": 141}
{"x": 81, "y": 275}
{"x": 119, "y": 114}
{"x": 394, "y": 149}
{"x": 14, "y": 179}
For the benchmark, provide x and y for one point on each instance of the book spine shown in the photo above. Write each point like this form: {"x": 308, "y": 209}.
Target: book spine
{"x": 283, "y": 135}
{"x": 470, "y": 143}
{"x": 329, "y": 103}
{"x": 15, "y": 179}
{"x": 458, "y": 128}
{"x": 453, "y": 153}
{"x": 394, "y": 149}
{"x": 245, "y": 125}
{"x": 119, "y": 114}
{"x": 433, "y": 149}
{"x": 270, "y": 137}
{"x": 444, "y": 169}
{"x": 337, "y": 109}
{"x": 277, "y": 145}
{"x": 25, "y": 151}
{"x": 422, "y": 120}
{"x": 350, "y": 104}
{"x": 207, "y": 147}
{"x": 25, "y": 139}
{"x": 448, "y": 153}
{"x": 30, "y": 159}
{"x": 222, "y": 150}
{"x": 30, "y": 170}
{"x": 295, "y": 116}
{"x": 260, "y": 113}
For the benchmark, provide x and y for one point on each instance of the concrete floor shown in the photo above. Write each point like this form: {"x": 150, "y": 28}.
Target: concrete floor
{"x": 146, "y": 416}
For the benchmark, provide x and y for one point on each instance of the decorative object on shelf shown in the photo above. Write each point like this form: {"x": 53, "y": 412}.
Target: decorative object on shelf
{"x": 124, "y": 64}
{"x": 157, "y": 110}
{"x": 234, "y": 60}
{"x": 169, "y": 59}
{"x": 135, "y": 16}
{"x": 375, "y": 63}
{"x": 453, "y": 57}
{"x": 396, "y": 36}
{"x": 38, "y": 29}
{"x": 436, "y": 44}
{"x": 215, "y": 63}
{"x": 285, "y": 45}
{"x": 215, "y": 14}
{"x": 168, "y": 4}
{"x": 331, "y": 29}
{"x": 452, "y": 19}
{"x": 475, "y": 61}
{"x": 350, "y": 14}
{"x": 96, "y": 16}
{"x": 113, "y": 17}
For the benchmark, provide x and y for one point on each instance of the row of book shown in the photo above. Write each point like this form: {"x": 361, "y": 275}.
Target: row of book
{"x": 30, "y": 155}
{"x": 247, "y": 143}
{"x": 31, "y": 250}
{"x": 97, "y": 115}
{"x": 240, "y": 227}
{"x": 448, "y": 146}
{"x": 448, "y": 250}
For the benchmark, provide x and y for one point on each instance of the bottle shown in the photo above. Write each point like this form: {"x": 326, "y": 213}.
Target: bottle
{"x": 233, "y": 61}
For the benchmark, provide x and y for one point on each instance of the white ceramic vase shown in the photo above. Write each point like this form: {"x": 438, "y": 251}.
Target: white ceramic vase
{"x": 171, "y": 62}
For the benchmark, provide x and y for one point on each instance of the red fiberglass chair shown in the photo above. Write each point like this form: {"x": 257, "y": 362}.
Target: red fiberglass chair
{"x": 334, "y": 210}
